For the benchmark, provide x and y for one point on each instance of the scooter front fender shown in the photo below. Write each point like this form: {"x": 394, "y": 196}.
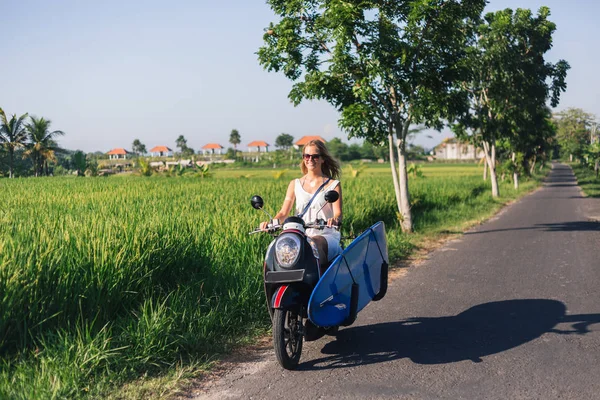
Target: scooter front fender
{"x": 287, "y": 296}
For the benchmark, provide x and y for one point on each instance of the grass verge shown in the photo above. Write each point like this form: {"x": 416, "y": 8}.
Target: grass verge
{"x": 586, "y": 179}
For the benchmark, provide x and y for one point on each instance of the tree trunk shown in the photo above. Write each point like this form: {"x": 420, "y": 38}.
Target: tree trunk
{"x": 10, "y": 163}
{"x": 34, "y": 159}
{"x": 394, "y": 172}
{"x": 532, "y": 168}
{"x": 490, "y": 158}
{"x": 515, "y": 173}
{"x": 485, "y": 170}
{"x": 401, "y": 131}
{"x": 571, "y": 157}
{"x": 597, "y": 167}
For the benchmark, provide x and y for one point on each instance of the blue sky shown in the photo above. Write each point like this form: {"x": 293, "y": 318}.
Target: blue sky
{"x": 109, "y": 72}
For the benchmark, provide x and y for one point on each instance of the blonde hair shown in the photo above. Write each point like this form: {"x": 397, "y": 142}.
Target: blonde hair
{"x": 330, "y": 167}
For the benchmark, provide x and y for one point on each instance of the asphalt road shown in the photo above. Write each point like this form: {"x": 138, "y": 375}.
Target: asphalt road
{"x": 511, "y": 310}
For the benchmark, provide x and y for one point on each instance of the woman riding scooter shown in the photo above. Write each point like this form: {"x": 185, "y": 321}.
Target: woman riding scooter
{"x": 306, "y": 299}
{"x": 320, "y": 173}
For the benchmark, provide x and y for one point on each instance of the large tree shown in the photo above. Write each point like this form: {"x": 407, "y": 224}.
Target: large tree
{"x": 42, "y": 146}
{"x": 385, "y": 65}
{"x": 13, "y": 135}
{"x": 510, "y": 82}
{"x": 79, "y": 162}
{"x": 181, "y": 142}
{"x": 572, "y": 131}
{"x": 138, "y": 147}
{"x": 540, "y": 146}
{"x": 284, "y": 141}
{"x": 234, "y": 138}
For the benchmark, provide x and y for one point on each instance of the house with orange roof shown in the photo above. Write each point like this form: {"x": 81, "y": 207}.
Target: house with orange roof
{"x": 305, "y": 139}
{"x": 118, "y": 154}
{"x": 255, "y": 146}
{"x": 161, "y": 151}
{"x": 212, "y": 148}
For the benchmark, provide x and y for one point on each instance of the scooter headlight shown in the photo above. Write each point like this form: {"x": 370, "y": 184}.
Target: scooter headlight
{"x": 287, "y": 250}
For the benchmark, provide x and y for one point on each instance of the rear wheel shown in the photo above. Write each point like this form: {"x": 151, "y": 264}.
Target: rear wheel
{"x": 287, "y": 338}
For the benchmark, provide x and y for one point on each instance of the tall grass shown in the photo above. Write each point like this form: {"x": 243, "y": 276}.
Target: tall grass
{"x": 104, "y": 280}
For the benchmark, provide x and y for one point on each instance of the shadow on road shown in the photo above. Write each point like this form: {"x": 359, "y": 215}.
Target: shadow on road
{"x": 573, "y": 226}
{"x": 561, "y": 184}
{"x": 477, "y": 332}
{"x": 557, "y": 179}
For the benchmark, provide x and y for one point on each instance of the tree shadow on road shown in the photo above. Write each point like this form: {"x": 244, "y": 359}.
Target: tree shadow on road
{"x": 571, "y": 226}
{"x": 561, "y": 184}
{"x": 480, "y": 331}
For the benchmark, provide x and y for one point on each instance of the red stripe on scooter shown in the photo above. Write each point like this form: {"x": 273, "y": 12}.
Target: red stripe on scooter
{"x": 279, "y": 296}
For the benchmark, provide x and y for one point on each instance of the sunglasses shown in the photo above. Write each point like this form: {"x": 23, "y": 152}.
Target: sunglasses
{"x": 309, "y": 156}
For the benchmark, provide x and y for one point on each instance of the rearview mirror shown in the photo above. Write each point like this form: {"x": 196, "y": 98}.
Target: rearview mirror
{"x": 257, "y": 202}
{"x": 332, "y": 196}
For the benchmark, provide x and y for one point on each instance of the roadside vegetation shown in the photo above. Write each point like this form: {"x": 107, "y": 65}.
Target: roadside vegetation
{"x": 108, "y": 281}
{"x": 587, "y": 179}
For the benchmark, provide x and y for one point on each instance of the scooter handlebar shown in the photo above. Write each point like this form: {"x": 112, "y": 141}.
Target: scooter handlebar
{"x": 270, "y": 229}
{"x": 322, "y": 226}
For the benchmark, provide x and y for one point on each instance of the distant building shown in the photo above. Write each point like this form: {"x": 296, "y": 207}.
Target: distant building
{"x": 257, "y": 145}
{"x": 183, "y": 163}
{"x": 212, "y": 148}
{"x": 453, "y": 149}
{"x": 157, "y": 164}
{"x": 305, "y": 139}
{"x": 161, "y": 151}
{"x": 118, "y": 154}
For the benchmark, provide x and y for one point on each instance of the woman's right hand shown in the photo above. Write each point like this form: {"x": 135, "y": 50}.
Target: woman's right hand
{"x": 267, "y": 225}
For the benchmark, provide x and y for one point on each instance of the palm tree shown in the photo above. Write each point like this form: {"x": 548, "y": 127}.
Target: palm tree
{"x": 234, "y": 138}
{"x": 42, "y": 146}
{"x": 12, "y": 136}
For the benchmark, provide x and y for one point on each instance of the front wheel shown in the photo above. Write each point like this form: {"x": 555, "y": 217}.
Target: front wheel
{"x": 287, "y": 337}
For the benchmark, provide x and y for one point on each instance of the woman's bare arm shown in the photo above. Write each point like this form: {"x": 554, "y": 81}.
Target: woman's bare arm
{"x": 286, "y": 207}
{"x": 337, "y": 208}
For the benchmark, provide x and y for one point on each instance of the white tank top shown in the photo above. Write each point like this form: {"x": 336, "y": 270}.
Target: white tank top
{"x": 319, "y": 208}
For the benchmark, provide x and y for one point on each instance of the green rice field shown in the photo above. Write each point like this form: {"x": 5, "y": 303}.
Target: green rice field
{"x": 104, "y": 281}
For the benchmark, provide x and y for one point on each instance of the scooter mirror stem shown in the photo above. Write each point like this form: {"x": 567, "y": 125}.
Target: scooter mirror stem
{"x": 268, "y": 215}
{"x": 330, "y": 197}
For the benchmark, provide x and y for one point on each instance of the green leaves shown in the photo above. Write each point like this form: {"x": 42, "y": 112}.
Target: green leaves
{"x": 510, "y": 82}
{"x": 572, "y": 130}
{"x": 390, "y": 62}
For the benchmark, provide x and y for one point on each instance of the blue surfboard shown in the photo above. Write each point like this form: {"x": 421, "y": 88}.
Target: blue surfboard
{"x": 360, "y": 263}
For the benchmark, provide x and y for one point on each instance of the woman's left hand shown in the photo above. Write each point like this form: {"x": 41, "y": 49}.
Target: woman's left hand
{"x": 333, "y": 222}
